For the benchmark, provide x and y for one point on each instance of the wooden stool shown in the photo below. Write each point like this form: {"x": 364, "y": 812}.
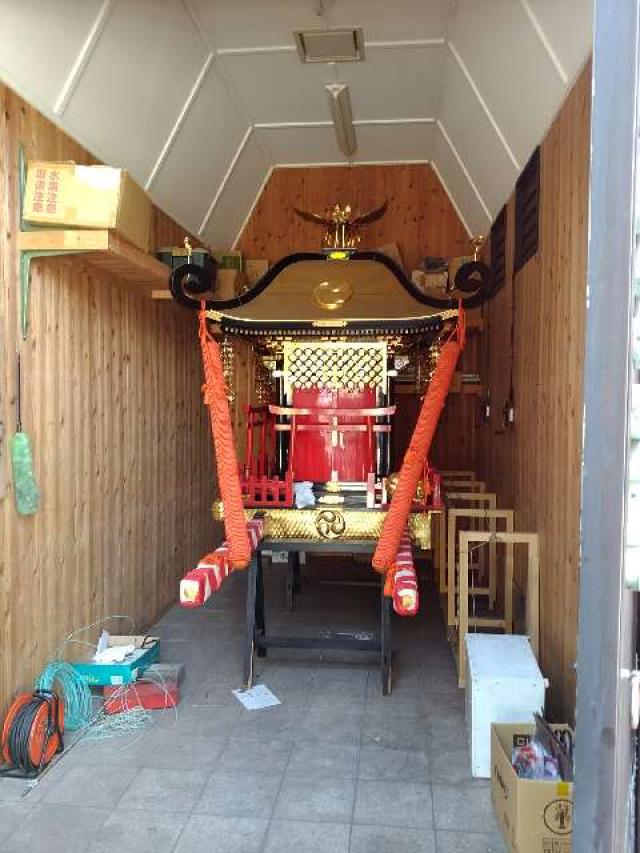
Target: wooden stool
{"x": 467, "y": 537}
{"x": 492, "y": 515}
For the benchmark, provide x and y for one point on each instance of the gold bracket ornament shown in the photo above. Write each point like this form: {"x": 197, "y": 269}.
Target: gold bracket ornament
{"x": 330, "y": 524}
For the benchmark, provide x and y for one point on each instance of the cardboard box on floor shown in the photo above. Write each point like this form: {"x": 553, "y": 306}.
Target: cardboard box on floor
{"x": 535, "y": 816}
{"x": 66, "y": 195}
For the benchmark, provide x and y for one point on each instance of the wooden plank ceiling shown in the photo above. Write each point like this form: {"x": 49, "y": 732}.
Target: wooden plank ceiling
{"x": 201, "y": 99}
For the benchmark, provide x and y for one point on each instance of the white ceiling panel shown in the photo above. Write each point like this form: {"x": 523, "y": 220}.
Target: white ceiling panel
{"x": 256, "y": 23}
{"x": 383, "y": 143}
{"x": 238, "y": 195}
{"x": 383, "y": 21}
{"x": 376, "y": 143}
{"x": 510, "y": 68}
{"x": 475, "y": 139}
{"x": 277, "y": 87}
{"x": 140, "y": 73}
{"x": 203, "y": 150}
{"x": 395, "y": 83}
{"x": 459, "y": 188}
{"x": 299, "y": 145}
{"x": 39, "y": 41}
{"x": 566, "y": 28}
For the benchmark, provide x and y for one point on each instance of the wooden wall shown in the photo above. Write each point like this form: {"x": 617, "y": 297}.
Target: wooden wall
{"x": 420, "y": 218}
{"x": 111, "y": 399}
{"x": 535, "y": 465}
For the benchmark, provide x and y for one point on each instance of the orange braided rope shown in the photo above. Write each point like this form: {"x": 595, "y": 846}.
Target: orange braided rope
{"x": 215, "y": 397}
{"x": 412, "y": 464}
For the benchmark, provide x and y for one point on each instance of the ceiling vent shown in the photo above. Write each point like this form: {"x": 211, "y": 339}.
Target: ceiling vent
{"x": 337, "y": 45}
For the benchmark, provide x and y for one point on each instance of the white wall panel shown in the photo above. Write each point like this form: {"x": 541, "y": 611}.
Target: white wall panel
{"x": 137, "y": 81}
{"x": 511, "y": 69}
{"x": 238, "y": 196}
{"x": 202, "y": 152}
{"x": 459, "y": 188}
{"x": 39, "y": 41}
{"x": 475, "y": 139}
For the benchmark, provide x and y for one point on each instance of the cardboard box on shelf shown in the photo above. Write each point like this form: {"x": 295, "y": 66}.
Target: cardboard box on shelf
{"x": 228, "y": 259}
{"x": 67, "y": 195}
{"x": 430, "y": 282}
{"x": 535, "y": 815}
{"x": 96, "y": 674}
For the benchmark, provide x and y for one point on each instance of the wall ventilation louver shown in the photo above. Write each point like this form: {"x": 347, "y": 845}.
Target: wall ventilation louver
{"x": 339, "y": 45}
{"x": 527, "y": 212}
{"x": 498, "y": 247}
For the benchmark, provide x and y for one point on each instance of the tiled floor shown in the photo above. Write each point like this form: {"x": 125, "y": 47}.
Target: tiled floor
{"x": 337, "y": 768}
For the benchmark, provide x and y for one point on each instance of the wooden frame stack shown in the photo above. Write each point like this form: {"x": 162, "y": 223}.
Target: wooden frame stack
{"x": 493, "y": 515}
{"x": 466, "y": 539}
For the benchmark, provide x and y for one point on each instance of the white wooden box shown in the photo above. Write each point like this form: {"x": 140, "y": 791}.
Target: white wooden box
{"x": 504, "y": 685}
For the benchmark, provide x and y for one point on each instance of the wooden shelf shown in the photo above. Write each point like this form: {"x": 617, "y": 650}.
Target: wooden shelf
{"x": 104, "y": 250}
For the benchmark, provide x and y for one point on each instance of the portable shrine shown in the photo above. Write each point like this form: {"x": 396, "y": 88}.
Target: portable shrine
{"x": 329, "y": 332}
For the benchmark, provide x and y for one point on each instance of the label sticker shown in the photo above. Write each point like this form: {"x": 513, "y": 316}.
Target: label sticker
{"x": 558, "y": 817}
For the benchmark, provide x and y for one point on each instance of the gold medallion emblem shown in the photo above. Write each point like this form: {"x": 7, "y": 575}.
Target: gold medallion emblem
{"x": 330, "y": 524}
{"x": 331, "y": 295}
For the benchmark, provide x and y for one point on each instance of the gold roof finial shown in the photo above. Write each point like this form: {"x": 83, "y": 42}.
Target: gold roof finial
{"x": 341, "y": 225}
{"x": 477, "y": 243}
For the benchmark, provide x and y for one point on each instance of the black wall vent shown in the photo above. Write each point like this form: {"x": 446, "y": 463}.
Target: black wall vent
{"x": 527, "y": 212}
{"x": 497, "y": 247}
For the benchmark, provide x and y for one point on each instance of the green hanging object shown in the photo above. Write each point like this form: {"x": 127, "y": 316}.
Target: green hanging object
{"x": 24, "y": 481}
{"x": 25, "y": 487}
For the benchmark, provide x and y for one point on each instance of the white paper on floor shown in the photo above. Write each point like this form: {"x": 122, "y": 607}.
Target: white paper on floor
{"x": 259, "y": 696}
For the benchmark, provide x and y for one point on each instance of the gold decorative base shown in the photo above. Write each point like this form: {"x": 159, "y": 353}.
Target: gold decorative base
{"x": 331, "y": 524}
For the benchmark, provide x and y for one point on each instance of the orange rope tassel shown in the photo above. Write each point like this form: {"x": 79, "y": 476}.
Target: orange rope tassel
{"x": 412, "y": 464}
{"x": 215, "y": 397}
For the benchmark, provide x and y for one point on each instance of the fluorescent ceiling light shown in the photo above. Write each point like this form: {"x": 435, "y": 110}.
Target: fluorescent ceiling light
{"x": 340, "y": 107}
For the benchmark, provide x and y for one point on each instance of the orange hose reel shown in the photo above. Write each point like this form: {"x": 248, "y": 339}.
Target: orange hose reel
{"x": 44, "y": 732}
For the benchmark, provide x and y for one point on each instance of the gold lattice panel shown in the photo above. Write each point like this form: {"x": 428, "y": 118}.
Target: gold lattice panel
{"x": 336, "y": 365}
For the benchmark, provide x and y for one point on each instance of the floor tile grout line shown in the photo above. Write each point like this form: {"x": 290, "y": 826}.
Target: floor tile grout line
{"x": 277, "y": 796}
{"x": 357, "y": 774}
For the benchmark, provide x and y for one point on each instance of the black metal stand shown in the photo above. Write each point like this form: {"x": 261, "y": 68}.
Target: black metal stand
{"x": 257, "y": 641}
